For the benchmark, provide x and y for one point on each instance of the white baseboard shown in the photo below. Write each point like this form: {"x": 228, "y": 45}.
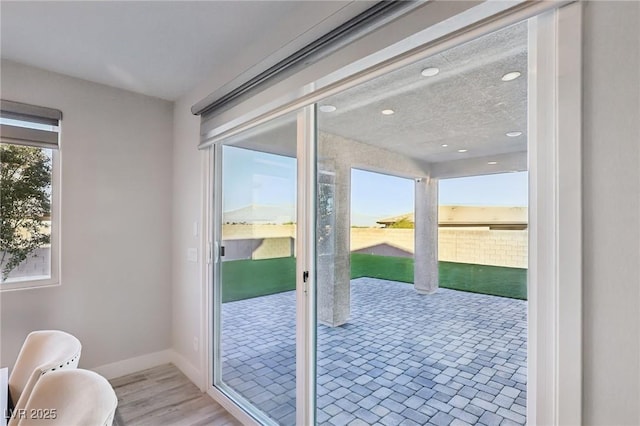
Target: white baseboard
{"x": 135, "y": 364}
{"x": 188, "y": 370}
{"x": 143, "y": 362}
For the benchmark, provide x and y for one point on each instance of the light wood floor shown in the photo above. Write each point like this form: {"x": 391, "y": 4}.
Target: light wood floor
{"x": 164, "y": 396}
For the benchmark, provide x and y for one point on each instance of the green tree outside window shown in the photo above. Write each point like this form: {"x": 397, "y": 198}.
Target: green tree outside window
{"x": 25, "y": 203}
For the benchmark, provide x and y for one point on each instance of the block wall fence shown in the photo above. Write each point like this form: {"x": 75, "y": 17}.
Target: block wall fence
{"x": 465, "y": 245}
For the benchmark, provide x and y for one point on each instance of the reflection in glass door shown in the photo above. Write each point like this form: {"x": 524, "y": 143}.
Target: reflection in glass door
{"x": 255, "y": 298}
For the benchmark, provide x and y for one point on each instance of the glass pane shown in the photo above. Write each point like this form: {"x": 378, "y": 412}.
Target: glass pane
{"x": 420, "y": 310}
{"x": 25, "y": 216}
{"x": 258, "y": 269}
{"x": 494, "y": 258}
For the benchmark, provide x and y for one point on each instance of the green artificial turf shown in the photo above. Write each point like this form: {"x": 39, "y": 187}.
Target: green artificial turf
{"x": 383, "y": 267}
{"x": 244, "y": 279}
{"x": 494, "y": 280}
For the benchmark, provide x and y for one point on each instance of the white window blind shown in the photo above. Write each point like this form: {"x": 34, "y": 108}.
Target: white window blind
{"x": 24, "y": 124}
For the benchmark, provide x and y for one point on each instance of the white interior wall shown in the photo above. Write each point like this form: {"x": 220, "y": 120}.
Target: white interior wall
{"x": 187, "y": 210}
{"x": 116, "y": 221}
{"x": 611, "y": 210}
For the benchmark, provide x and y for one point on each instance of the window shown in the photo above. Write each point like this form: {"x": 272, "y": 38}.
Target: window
{"x": 29, "y": 188}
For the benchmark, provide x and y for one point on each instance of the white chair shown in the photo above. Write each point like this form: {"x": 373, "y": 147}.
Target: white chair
{"x": 70, "y": 397}
{"x": 42, "y": 352}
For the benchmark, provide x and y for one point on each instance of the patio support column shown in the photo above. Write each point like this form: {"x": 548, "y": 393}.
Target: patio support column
{"x": 333, "y": 260}
{"x": 426, "y": 236}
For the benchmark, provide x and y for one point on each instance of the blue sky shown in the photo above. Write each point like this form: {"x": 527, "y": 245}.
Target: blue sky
{"x": 253, "y": 177}
{"x": 505, "y": 189}
{"x": 375, "y": 194}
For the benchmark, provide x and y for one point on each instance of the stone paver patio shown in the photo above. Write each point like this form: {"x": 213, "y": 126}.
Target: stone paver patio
{"x": 450, "y": 358}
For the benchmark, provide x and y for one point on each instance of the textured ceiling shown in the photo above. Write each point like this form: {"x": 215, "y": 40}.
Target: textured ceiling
{"x": 466, "y": 106}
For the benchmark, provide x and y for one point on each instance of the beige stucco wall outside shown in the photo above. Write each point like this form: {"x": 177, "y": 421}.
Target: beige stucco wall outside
{"x": 274, "y": 247}
{"x": 241, "y": 232}
{"x": 368, "y": 237}
{"x": 465, "y": 245}
{"x": 484, "y": 246}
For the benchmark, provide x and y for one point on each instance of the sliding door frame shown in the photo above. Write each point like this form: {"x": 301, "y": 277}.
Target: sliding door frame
{"x": 233, "y": 402}
{"x": 555, "y": 249}
{"x": 554, "y": 383}
{"x": 305, "y": 265}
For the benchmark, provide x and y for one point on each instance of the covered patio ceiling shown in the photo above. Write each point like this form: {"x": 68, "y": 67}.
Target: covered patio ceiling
{"x": 460, "y": 121}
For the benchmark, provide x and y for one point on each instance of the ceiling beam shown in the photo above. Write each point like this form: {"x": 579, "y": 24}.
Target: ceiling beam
{"x": 505, "y": 163}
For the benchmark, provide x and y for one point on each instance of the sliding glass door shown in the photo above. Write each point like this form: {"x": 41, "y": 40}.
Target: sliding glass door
{"x": 255, "y": 296}
{"x": 340, "y": 295}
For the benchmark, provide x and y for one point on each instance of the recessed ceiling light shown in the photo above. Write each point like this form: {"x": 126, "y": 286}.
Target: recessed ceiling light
{"x": 492, "y": 162}
{"x": 462, "y": 150}
{"x": 511, "y": 76}
{"x": 387, "y": 111}
{"x": 444, "y": 145}
{"x": 327, "y": 108}
{"x": 430, "y": 72}
{"x": 513, "y": 134}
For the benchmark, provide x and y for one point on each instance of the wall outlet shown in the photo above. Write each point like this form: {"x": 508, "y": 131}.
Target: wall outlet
{"x": 195, "y": 344}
